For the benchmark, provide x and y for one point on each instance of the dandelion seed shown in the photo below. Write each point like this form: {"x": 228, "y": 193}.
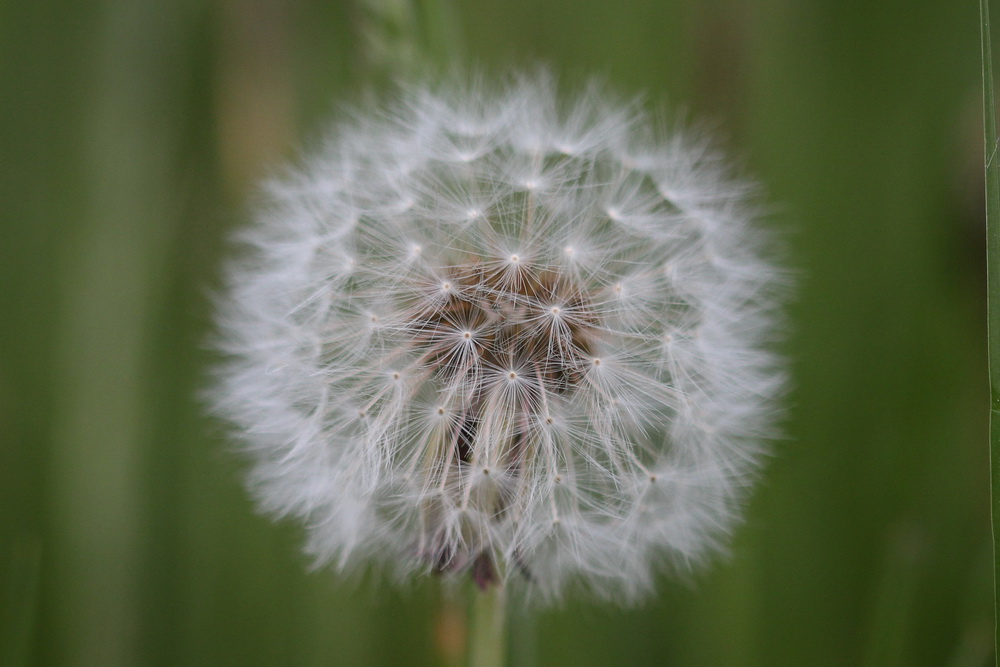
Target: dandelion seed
{"x": 474, "y": 335}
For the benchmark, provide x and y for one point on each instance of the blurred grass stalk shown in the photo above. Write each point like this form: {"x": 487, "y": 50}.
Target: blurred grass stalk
{"x": 405, "y": 38}
{"x": 111, "y": 292}
{"x": 993, "y": 287}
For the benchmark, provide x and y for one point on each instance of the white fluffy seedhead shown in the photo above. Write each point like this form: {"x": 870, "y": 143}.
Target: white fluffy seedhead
{"x": 480, "y": 331}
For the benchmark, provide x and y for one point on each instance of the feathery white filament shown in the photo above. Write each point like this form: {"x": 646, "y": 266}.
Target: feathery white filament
{"x": 483, "y": 331}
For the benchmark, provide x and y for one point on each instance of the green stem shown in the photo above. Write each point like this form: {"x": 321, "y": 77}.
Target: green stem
{"x": 993, "y": 286}
{"x": 487, "y": 637}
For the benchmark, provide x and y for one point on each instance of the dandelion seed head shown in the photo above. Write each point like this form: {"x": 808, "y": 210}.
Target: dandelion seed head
{"x": 485, "y": 332}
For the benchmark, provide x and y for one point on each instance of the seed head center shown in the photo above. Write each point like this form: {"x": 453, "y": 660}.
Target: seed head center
{"x": 484, "y": 320}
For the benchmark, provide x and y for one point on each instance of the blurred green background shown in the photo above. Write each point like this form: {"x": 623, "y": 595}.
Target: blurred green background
{"x": 131, "y": 133}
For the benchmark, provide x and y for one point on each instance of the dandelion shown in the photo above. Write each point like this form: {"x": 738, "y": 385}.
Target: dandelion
{"x": 483, "y": 332}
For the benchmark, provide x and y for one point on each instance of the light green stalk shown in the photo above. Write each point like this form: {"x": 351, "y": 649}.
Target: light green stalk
{"x": 112, "y": 285}
{"x": 487, "y": 636}
{"x": 993, "y": 286}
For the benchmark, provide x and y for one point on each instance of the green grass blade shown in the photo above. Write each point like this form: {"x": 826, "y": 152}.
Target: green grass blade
{"x": 993, "y": 286}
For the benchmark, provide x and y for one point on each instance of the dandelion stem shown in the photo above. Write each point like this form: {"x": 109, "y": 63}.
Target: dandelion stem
{"x": 993, "y": 286}
{"x": 487, "y": 637}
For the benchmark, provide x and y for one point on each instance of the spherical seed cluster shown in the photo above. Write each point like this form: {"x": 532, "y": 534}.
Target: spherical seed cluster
{"x": 482, "y": 332}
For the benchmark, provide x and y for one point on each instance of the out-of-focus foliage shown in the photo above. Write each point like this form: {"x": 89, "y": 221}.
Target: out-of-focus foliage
{"x": 131, "y": 134}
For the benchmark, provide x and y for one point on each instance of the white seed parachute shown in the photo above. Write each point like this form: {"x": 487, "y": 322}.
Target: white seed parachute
{"x": 482, "y": 331}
